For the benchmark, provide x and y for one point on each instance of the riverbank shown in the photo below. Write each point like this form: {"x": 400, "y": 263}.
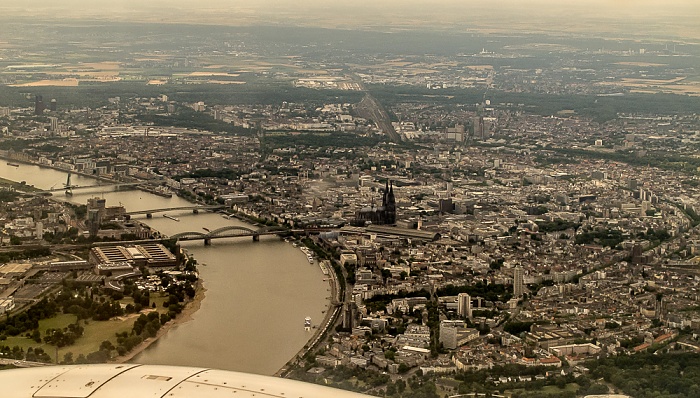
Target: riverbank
{"x": 329, "y": 320}
{"x": 18, "y": 186}
{"x": 50, "y": 166}
{"x": 108, "y": 180}
{"x": 186, "y": 315}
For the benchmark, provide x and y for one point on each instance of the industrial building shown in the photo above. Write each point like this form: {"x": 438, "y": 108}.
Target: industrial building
{"x": 146, "y": 254}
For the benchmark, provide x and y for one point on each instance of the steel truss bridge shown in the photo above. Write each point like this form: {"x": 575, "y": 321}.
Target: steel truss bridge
{"x": 195, "y": 209}
{"x": 232, "y": 232}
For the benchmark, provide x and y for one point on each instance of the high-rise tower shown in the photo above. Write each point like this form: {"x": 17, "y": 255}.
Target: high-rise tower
{"x": 518, "y": 282}
{"x": 39, "y": 105}
{"x": 464, "y": 305}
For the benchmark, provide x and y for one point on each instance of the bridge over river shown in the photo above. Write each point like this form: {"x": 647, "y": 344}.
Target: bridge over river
{"x": 195, "y": 209}
{"x": 233, "y": 232}
{"x": 71, "y": 188}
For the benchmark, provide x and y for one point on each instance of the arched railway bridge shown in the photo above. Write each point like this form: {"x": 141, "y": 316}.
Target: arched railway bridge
{"x": 232, "y": 232}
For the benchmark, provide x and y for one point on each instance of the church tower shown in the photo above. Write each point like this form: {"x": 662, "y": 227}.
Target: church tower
{"x": 386, "y": 194}
{"x": 391, "y": 206}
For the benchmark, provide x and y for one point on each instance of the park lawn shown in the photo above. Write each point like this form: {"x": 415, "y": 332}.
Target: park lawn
{"x": 551, "y": 390}
{"x": 159, "y": 299}
{"x": 26, "y": 342}
{"x": 57, "y": 322}
{"x": 95, "y": 333}
{"x": 556, "y": 390}
{"x": 444, "y": 393}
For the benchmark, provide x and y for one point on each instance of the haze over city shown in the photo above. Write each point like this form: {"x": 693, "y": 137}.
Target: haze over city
{"x": 630, "y": 18}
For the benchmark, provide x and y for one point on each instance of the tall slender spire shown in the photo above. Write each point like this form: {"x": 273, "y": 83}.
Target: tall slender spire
{"x": 386, "y": 192}
{"x": 391, "y": 206}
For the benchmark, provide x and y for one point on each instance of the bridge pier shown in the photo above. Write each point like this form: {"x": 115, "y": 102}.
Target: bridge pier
{"x": 149, "y": 215}
{"x": 256, "y": 238}
{"x": 207, "y": 241}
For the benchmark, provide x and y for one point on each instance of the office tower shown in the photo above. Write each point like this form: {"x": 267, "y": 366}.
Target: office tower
{"x": 478, "y": 127}
{"x": 39, "y": 230}
{"x": 54, "y": 124}
{"x": 517, "y": 282}
{"x": 38, "y": 105}
{"x": 464, "y": 305}
{"x": 53, "y": 105}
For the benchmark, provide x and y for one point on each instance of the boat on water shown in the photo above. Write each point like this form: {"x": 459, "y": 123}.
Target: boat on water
{"x": 171, "y": 217}
{"x": 12, "y": 164}
{"x": 163, "y": 192}
{"x": 324, "y": 269}
{"x": 311, "y": 259}
{"x": 307, "y": 323}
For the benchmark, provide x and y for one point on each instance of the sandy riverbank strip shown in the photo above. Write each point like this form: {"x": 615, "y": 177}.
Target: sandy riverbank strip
{"x": 185, "y": 316}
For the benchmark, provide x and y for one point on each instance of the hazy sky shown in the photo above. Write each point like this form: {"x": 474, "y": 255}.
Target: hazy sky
{"x": 638, "y": 6}
{"x": 675, "y": 17}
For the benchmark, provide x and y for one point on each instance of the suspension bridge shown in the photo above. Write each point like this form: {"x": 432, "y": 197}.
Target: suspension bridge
{"x": 77, "y": 187}
{"x": 69, "y": 188}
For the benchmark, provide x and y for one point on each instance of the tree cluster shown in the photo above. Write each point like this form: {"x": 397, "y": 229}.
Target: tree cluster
{"x": 63, "y": 337}
{"x": 489, "y": 291}
{"x": 85, "y": 307}
{"x": 603, "y": 237}
{"x": 32, "y": 354}
{"x": 29, "y": 319}
{"x": 648, "y": 375}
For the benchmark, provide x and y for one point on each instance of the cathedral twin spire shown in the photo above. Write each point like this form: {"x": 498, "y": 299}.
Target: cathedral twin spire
{"x": 389, "y": 204}
{"x": 388, "y": 197}
{"x": 386, "y": 214}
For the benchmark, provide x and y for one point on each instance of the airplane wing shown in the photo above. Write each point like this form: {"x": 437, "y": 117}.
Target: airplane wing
{"x": 152, "y": 381}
